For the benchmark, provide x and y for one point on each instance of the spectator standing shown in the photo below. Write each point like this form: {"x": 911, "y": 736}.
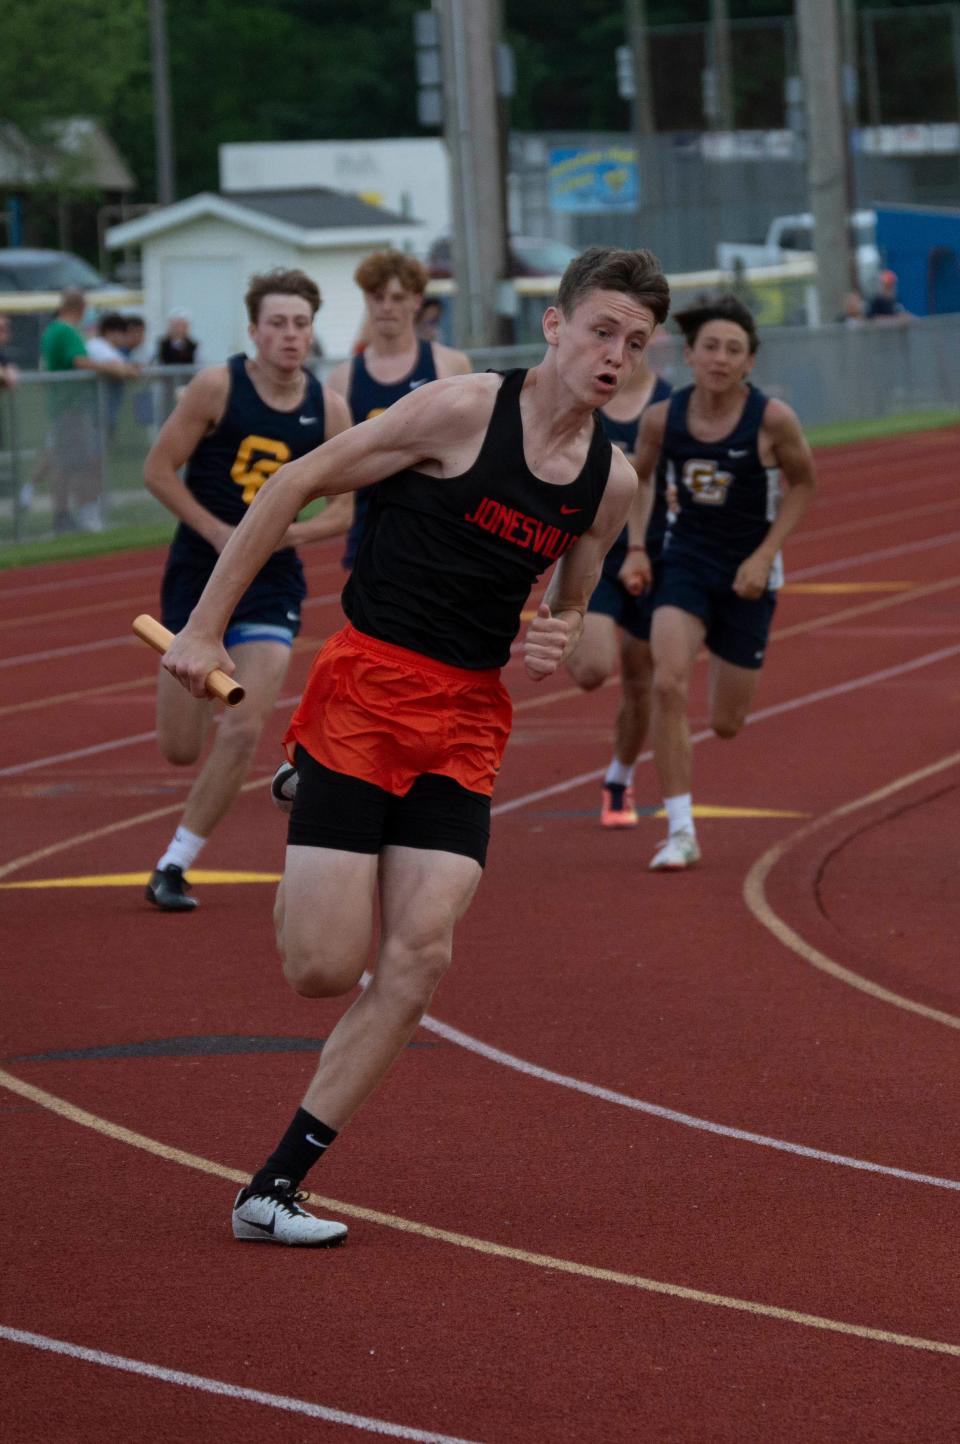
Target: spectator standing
{"x": 176, "y": 346}
{"x": 883, "y": 305}
{"x": 72, "y": 439}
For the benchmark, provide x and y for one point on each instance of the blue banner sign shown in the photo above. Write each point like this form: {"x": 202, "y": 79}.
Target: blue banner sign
{"x": 590, "y": 181}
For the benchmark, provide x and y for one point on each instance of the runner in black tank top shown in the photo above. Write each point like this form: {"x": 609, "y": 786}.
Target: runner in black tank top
{"x": 483, "y": 483}
{"x": 725, "y": 446}
{"x": 233, "y": 428}
{"x": 617, "y": 625}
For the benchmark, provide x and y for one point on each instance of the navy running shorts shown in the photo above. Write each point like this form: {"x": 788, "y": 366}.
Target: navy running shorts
{"x": 633, "y": 614}
{"x": 267, "y": 612}
{"x": 738, "y": 628}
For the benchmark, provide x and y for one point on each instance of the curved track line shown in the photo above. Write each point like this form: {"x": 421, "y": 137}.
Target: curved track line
{"x": 672, "y": 1115}
{"x": 488, "y": 1247}
{"x": 756, "y": 899}
{"x": 79, "y": 696}
{"x": 224, "y": 1390}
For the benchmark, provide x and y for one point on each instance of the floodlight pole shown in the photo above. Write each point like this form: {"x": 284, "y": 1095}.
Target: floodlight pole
{"x": 162, "y": 113}
{"x": 827, "y": 173}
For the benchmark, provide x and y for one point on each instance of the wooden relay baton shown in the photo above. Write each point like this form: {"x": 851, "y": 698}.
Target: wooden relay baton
{"x": 159, "y": 638}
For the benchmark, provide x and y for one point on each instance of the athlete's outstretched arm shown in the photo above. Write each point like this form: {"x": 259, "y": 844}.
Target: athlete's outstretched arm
{"x": 425, "y": 426}
{"x": 795, "y": 460}
{"x": 555, "y": 631}
{"x": 636, "y": 574}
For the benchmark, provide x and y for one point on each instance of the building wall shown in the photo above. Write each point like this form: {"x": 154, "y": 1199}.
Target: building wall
{"x": 923, "y": 247}
{"x": 410, "y": 177}
{"x": 203, "y": 268}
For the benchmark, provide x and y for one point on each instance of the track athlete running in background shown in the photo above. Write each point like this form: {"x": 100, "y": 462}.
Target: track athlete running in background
{"x": 484, "y": 480}
{"x": 232, "y": 428}
{"x": 394, "y": 361}
{"x": 727, "y": 449}
{"x": 623, "y": 601}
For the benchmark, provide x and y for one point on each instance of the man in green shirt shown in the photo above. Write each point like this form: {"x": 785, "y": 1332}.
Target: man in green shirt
{"x": 72, "y": 442}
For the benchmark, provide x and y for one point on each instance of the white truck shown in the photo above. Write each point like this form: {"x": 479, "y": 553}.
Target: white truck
{"x": 790, "y": 237}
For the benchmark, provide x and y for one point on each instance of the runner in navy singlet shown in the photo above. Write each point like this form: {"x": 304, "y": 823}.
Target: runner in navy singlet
{"x": 727, "y": 448}
{"x": 394, "y": 361}
{"x": 233, "y": 427}
{"x": 484, "y": 482}
{"x": 623, "y": 601}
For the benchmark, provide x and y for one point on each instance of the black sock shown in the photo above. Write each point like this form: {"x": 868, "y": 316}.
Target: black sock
{"x": 303, "y": 1145}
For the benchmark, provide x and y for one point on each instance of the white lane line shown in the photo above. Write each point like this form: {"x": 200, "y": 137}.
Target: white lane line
{"x": 94, "y": 579}
{"x": 672, "y": 1115}
{"x": 761, "y": 715}
{"x": 225, "y": 1390}
{"x": 865, "y": 559}
{"x": 53, "y": 653}
{"x": 16, "y": 769}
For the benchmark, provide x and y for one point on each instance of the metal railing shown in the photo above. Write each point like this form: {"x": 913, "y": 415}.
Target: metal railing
{"x": 72, "y": 446}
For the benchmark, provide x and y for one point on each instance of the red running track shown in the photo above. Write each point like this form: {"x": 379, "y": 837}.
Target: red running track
{"x": 676, "y": 1157}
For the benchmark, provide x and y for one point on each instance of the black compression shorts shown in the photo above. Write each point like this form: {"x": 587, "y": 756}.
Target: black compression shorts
{"x": 332, "y": 809}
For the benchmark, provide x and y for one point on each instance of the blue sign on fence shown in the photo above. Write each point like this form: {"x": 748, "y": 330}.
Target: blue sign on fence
{"x": 590, "y": 181}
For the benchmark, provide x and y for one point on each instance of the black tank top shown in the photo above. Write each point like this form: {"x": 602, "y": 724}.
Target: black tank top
{"x": 445, "y": 565}
{"x": 251, "y": 442}
{"x": 726, "y": 497}
{"x": 624, "y": 435}
{"x": 368, "y": 397}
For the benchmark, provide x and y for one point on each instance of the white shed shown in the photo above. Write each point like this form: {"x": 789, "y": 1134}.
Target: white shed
{"x": 199, "y": 254}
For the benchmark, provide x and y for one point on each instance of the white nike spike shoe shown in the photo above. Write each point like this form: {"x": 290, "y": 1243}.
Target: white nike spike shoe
{"x": 283, "y": 788}
{"x": 680, "y": 851}
{"x": 275, "y": 1216}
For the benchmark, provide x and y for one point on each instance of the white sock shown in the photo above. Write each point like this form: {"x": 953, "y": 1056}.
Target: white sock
{"x": 619, "y": 773}
{"x": 679, "y": 813}
{"x": 183, "y": 849}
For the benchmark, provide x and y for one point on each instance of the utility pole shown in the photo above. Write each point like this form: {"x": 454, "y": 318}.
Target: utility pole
{"x": 470, "y": 40}
{"x": 642, "y": 119}
{"x": 827, "y": 174}
{"x": 163, "y": 125}
{"x": 720, "y": 66}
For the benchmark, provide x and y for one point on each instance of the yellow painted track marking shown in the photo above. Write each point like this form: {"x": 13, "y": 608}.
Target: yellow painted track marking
{"x": 140, "y": 879}
{"x": 488, "y": 1247}
{"x": 829, "y": 589}
{"x": 756, "y": 899}
{"x": 704, "y": 809}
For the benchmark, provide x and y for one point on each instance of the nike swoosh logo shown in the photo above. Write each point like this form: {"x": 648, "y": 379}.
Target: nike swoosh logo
{"x": 309, "y": 420}
{"x": 739, "y": 453}
{"x": 315, "y": 1141}
{"x": 263, "y": 1227}
{"x": 415, "y": 384}
{"x": 569, "y": 510}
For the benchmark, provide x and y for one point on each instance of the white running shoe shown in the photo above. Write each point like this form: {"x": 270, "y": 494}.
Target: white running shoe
{"x": 275, "y": 1216}
{"x": 283, "y": 788}
{"x": 679, "y": 851}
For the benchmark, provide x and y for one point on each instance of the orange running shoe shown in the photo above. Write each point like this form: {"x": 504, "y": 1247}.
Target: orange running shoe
{"x": 617, "y": 809}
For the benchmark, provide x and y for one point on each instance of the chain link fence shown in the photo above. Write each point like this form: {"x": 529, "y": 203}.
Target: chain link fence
{"x": 72, "y": 447}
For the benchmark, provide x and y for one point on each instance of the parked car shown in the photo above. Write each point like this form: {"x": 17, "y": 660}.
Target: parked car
{"x": 528, "y": 255}
{"x": 27, "y": 270}
{"x": 790, "y": 236}
{"x": 30, "y": 285}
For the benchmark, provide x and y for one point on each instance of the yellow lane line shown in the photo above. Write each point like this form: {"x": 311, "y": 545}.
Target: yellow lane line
{"x": 488, "y": 1247}
{"x": 829, "y": 589}
{"x": 799, "y": 629}
{"x": 755, "y": 896}
{"x": 140, "y": 879}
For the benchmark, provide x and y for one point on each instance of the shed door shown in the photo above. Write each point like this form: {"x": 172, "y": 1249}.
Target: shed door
{"x": 210, "y": 290}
